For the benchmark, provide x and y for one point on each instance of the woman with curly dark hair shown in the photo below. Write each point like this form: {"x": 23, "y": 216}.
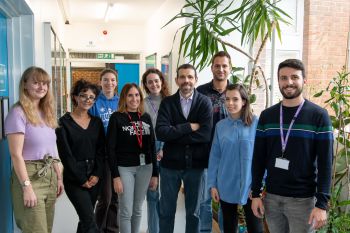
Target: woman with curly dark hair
{"x": 81, "y": 146}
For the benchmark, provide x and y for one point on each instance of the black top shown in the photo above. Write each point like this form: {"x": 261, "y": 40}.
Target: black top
{"x": 309, "y": 152}
{"x": 183, "y": 147}
{"x": 217, "y": 100}
{"x": 122, "y": 145}
{"x": 82, "y": 151}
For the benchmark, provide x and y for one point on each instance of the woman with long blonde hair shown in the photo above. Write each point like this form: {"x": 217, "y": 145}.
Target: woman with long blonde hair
{"x": 36, "y": 176}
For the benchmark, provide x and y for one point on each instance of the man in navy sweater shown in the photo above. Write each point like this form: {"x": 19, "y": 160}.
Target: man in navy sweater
{"x": 184, "y": 123}
{"x": 294, "y": 143}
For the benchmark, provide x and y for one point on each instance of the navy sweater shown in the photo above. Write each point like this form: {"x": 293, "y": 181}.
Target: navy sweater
{"x": 309, "y": 150}
{"x": 183, "y": 147}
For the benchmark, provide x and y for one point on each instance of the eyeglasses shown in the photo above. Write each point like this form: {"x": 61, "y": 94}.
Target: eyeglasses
{"x": 86, "y": 97}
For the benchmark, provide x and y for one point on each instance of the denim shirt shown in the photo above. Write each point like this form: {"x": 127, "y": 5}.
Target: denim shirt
{"x": 230, "y": 160}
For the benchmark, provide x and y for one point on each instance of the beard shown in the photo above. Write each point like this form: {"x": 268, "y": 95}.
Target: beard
{"x": 186, "y": 88}
{"x": 220, "y": 78}
{"x": 297, "y": 92}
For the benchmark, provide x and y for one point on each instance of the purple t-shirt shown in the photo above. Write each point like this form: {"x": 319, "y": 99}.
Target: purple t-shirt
{"x": 38, "y": 140}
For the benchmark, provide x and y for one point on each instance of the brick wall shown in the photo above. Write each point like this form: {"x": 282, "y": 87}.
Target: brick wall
{"x": 326, "y": 28}
{"x": 89, "y": 74}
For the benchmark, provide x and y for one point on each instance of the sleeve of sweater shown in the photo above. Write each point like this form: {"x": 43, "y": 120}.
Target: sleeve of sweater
{"x": 152, "y": 146}
{"x": 68, "y": 160}
{"x": 214, "y": 161}
{"x": 324, "y": 152}
{"x": 205, "y": 120}
{"x": 100, "y": 150}
{"x": 165, "y": 130}
{"x": 259, "y": 155}
{"x": 112, "y": 139}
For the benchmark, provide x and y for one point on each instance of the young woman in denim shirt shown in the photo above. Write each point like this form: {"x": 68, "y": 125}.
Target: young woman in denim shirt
{"x": 229, "y": 172}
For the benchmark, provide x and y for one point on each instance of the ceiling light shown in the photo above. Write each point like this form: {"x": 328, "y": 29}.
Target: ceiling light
{"x": 108, "y": 11}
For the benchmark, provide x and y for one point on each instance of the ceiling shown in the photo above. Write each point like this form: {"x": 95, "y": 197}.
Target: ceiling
{"x": 123, "y": 11}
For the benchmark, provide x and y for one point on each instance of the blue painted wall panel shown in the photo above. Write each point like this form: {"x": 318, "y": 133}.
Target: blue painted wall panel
{"x": 6, "y": 224}
{"x": 4, "y": 89}
{"x": 127, "y": 73}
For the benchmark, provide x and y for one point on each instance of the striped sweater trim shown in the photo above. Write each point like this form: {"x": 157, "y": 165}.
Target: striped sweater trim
{"x": 305, "y": 127}
{"x": 300, "y": 133}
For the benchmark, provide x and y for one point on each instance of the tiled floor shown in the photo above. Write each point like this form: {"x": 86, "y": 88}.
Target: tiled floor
{"x": 66, "y": 218}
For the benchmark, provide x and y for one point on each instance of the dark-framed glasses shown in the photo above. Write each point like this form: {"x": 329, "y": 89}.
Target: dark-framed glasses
{"x": 87, "y": 97}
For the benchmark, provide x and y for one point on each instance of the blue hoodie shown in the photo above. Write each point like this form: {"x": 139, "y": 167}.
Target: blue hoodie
{"x": 103, "y": 108}
{"x": 230, "y": 160}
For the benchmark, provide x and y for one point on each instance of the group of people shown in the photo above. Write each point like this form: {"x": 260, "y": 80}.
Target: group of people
{"x": 118, "y": 150}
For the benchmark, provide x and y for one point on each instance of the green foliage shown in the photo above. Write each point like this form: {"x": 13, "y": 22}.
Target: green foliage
{"x": 338, "y": 90}
{"x": 338, "y": 221}
{"x": 211, "y": 20}
{"x": 257, "y": 18}
{"x": 237, "y": 76}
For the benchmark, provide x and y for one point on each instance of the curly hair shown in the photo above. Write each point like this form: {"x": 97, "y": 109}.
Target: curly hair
{"x": 82, "y": 86}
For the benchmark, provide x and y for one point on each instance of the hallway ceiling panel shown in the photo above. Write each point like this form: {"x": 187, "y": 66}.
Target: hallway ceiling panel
{"x": 123, "y": 11}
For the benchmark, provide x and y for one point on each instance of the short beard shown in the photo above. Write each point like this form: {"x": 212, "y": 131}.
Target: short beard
{"x": 297, "y": 93}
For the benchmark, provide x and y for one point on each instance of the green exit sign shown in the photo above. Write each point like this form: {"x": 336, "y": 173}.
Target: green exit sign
{"x": 105, "y": 55}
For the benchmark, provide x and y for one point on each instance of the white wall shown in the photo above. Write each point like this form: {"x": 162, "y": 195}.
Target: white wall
{"x": 45, "y": 11}
{"x": 119, "y": 38}
{"x": 160, "y": 40}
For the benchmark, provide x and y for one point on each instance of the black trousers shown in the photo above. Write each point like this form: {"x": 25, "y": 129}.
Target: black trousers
{"x": 83, "y": 200}
{"x": 106, "y": 211}
{"x": 230, "y": 217}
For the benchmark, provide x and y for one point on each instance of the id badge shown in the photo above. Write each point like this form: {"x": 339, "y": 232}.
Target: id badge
{"x": 282, "y": 163}
{"x": 142, "y": 159}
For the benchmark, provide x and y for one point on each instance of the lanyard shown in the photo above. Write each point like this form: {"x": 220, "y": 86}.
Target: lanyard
{"x": 138, "y": 136}
{"x": 155, "y": 110}
{"x": 284, "y": 141}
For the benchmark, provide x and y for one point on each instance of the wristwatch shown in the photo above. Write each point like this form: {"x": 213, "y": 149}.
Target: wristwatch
{"x": 25, "y": 183}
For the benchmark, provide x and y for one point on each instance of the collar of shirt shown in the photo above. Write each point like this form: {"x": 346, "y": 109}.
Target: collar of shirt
{"x": 186, "y": 99}
{"x": 186, "y": 104}
{"x": 215, "y": 90}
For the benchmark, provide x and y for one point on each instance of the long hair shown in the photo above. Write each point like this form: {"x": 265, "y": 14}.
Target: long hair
{"x": 122, "y": 98}
{"x": 46, "y": 104}
{"x": 246, "y": 111}
{"x": 164, "y": 90}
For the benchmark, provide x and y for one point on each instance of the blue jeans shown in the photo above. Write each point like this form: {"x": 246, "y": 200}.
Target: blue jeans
{"x": 153, "y": 211}
{"x": 288, "y": 214}
{"x": 153, "y": 204}
{"x": 170, "y": 183}
{"x": 206, "y": 214}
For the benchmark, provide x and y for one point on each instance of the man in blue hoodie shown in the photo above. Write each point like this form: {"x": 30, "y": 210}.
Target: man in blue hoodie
{"x": 107, "y": 103}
